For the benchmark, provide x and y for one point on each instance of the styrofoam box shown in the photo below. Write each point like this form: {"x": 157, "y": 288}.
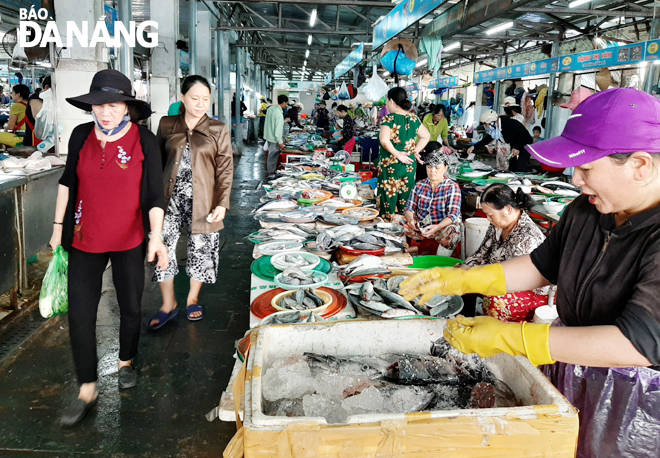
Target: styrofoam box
{"x": 374, "y": 338}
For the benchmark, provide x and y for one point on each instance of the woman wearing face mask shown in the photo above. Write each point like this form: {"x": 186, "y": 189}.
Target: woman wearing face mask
{"x": 437, "y": 125}
{"x": 434, "y": 207}
{"x": 511, "y": 233}
{"x": 604, "y": 257}
{"x": 507, "y": 138}
{"x": 199, "y": 171}
{"x": 110, "y": 202}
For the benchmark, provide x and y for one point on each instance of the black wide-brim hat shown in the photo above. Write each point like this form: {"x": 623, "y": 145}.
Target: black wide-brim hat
{"x": 110, "y": 86}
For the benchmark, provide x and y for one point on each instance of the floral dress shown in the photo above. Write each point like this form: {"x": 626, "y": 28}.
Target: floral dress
{"x": 524, "y": 239}
{"x": 395, "y": 179}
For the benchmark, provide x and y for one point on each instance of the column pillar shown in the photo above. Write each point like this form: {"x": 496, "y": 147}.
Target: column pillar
{"x": 496, "y": 95}
{"x": 652, "y": 71}
{"x": 192, "y": 36}
{"x": 547, "y": 132}
{"x": 165, "y": 84}
{"x": 125, "y": 15}
{"x": 238, "y": 131}
{"x": 73, "y": 76}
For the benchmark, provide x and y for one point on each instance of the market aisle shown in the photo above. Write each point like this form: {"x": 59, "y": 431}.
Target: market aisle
{"x": 183, "y": 368}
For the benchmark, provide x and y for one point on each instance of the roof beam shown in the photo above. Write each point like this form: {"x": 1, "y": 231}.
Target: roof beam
{"x": 291, "y": 31}
{"x": 297, "y": 46}
{"x": 588, "y": 12}
{"x": 566, "y": 24}
{"x": 362, "y": 3}
{"x": 506, "y": 37}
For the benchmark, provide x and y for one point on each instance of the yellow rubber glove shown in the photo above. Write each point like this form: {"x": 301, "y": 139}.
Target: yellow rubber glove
{"x": 487, "y": 336}
{"x": 447, "y": 281}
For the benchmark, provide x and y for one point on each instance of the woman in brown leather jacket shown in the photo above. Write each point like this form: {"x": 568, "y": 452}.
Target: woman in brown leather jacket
{"x": 198, "y": 177}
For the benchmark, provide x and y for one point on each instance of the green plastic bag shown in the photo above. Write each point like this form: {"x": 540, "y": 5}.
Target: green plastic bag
{"x": 54, "y": 297}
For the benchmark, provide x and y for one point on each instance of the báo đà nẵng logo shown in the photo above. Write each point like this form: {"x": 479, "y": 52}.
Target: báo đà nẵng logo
{"x": 30, "y": 33}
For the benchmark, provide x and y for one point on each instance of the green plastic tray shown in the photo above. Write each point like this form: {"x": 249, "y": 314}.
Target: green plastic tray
{"x": 427, "y": 262}
{"x": 263, "y": 268}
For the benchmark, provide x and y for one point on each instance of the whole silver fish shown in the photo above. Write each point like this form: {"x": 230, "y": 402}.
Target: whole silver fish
{"x": 378, "y": 306}
{"x": 394, "y": 299}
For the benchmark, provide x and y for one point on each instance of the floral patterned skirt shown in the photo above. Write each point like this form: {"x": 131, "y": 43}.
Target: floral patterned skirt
{"x": 516, "y": 307}
{"x": 395, "y": 182}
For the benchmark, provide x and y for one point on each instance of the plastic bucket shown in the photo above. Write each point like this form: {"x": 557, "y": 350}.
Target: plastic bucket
{"x": 475, "y": 231}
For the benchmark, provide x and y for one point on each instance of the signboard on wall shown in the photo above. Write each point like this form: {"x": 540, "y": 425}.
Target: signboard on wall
{"x": 354, "y": 58}
{"x": 442, "y": 83}
{"x": 540, "y": 67}
{"x": 184, "y": 61}
{"x": 401, "y": 17}
{"x": 608, "y": 57}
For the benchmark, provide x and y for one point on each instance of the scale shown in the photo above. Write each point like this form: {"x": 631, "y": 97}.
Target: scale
{"x": 348, "y": 190}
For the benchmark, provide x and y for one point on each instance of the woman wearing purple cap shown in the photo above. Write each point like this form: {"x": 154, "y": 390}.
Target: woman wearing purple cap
{"x": 604, "y": 256}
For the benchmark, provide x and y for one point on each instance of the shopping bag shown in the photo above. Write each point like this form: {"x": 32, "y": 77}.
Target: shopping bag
{"x": 343, "y": 92}
{"x": 44, "y": 122}
{"x": 54, "y": 297}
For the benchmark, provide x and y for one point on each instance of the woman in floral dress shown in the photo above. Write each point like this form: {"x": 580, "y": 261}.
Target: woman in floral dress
{"x": 398, "y": 141}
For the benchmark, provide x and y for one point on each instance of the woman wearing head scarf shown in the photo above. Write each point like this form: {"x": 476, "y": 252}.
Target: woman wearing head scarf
{"x": 199, "y": 172}
{"x": 398, "y": 137}
{"x": 604, "y": 257}
{"x": 110, "y": 207}
{"x": 434, "y": 207}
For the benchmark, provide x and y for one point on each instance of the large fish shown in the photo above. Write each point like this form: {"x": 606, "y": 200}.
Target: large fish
{"x": 394, "y": 299}
{"x": 276, "y": 205}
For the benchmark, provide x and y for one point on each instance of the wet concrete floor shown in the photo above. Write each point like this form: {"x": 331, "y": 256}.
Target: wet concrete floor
{"x": 183, "y": 368}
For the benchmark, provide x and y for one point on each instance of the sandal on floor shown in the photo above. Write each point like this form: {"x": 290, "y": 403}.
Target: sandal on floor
{"x": 163, "y": 318}
{"x": 193, "y": 308}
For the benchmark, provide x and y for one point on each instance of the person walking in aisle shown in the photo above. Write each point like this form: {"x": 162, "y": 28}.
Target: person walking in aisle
{"x": 273, "y": 132}
{"x": 199, "y": 171}
{"x": 110, "y": 200}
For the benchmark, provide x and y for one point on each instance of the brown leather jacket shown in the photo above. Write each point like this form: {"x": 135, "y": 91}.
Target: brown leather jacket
{"x": 212, "y": 165}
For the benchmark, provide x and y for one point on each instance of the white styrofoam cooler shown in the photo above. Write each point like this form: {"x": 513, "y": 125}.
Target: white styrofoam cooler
{"x": 374, "y": 338}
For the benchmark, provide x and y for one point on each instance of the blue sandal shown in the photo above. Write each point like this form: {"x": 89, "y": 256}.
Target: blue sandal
{"x": 193, "y": 308}
{"x": 162, "y": 318}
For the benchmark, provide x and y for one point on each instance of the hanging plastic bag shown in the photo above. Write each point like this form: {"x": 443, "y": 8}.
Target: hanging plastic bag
{"x": 396, "y": 62}
{"x": 54, "y": 297}
{"x": 44, "y": 122}
{"x": 343, "y": 92}
{"x": 375, "y": 89}
{"x": 19, "y": 58}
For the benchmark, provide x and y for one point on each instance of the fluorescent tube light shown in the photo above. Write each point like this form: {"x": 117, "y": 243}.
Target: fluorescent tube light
{"x": 452, "y": 46}
{"x": 309, "y": 40}
{"x": 421, "y": 62}
{"x": 312, "y": 18}
{"x": 500, "y": 28}
{"x": 386, "y": 74}
{"x": 306, "y": 54}
{"x": 577, "y": 3}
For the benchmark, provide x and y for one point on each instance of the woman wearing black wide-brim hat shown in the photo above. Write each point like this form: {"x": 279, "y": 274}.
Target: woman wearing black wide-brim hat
{"x": 110, "y": 206}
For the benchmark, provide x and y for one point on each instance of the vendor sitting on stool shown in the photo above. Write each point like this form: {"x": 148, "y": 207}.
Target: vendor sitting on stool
{"x": 511, "y": 233}
{"x": 434, "y": 206}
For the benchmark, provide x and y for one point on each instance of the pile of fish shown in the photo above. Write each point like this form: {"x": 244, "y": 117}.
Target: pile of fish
{"x": 294, "y": 276}
{"x": 339, "y": 219}
{"x": 380, "y": 298}
{"x": 290, "y": 317}
{"x": 355, "y": 238}
{"x": 297, "y": 233}
{"x": 365, "y": 265}
{"x": 296, "y": 260}
{"x": 332, "y": 387}
{"x": 276, "y": 205}
{"x": 302, "y": 299}
{"x": 359, "y": 212}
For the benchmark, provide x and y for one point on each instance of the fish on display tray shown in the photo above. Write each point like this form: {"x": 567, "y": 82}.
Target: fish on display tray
{"x": 277, "y": 205}
{"x": 302, "y": 299}
{"x": 338, "y": 219}
{"x": 290, "y": 317}
{"x": 295, "y": 276}
{"x": 298, "y": 217}
{"x": 284, "y": 234}
{"x": 319, "y": 210}
{"x": 339, "y": 203}
{"x": 272, "y": 248}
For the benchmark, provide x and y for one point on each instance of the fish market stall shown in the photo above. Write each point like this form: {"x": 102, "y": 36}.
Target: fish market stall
{"x": 394, "y": 388}
{"x": 29, "y": 191}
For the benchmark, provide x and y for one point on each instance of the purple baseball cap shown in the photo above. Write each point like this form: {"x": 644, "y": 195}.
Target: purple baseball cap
{"x": 614, "y": 121}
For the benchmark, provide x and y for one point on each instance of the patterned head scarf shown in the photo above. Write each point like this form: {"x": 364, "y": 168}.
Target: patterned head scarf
{"x": 437, "y": 157}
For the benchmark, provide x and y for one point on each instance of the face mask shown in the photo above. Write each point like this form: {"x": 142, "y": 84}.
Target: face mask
{"x": 124, "y": 121}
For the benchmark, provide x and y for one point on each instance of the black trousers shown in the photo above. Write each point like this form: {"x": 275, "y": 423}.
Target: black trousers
{"x": 85, "y": 284}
